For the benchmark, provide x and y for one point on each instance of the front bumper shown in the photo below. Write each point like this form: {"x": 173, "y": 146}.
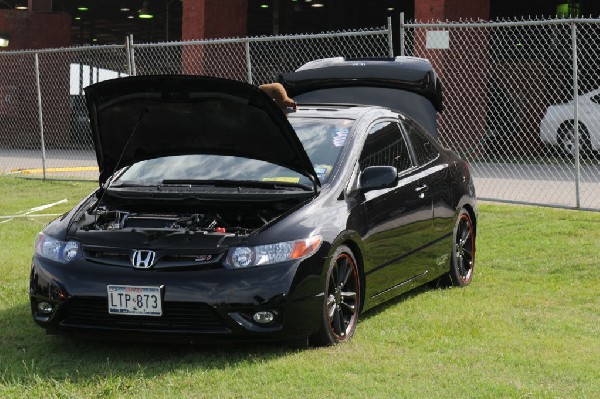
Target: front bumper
{"x": 198, "y": 304}
{"x": 549, "y": 128}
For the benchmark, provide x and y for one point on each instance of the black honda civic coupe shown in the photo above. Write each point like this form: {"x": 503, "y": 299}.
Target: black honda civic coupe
{"x": 221, "y": 216}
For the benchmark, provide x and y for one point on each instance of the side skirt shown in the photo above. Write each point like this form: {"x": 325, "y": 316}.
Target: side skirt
{"x": 410, "y": 280}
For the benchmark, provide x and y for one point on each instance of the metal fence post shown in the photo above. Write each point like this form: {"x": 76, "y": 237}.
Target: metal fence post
{"x": 248, "y": 63}
{"x": 402, "y": 34}
{"x": 40, "y": 115}
{"x": 390, "y": 41}
{"x": 128, "y": 52}
{"x": 132, "y": 56}
{"x": 576, "y": 115}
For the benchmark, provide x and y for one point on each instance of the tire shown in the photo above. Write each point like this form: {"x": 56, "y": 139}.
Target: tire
{"x": 566, "y": 140}
{"x": 341, "y": 302}
{"x": 462, "y": 259}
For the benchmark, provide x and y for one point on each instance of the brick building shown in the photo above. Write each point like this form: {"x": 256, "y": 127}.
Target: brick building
{"x": 63, "y": 23}
{"x": 109, "y": 21}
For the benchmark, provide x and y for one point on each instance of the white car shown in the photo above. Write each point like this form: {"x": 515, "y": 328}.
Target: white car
{"x": 557, "y": 127}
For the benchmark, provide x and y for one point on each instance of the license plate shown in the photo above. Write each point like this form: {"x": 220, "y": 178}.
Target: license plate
{"x": 134, "y": 300}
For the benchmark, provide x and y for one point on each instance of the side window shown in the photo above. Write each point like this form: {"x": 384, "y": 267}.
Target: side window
{"x": 424, "y": 150}
{"x": 385, "y": 146}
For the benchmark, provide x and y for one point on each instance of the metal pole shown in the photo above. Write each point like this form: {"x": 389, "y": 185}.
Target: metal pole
{"x": 390, "y": 42}
{"x": 248, "y": 63}
{"x": 80, "y": 78}
{"x": 132, "y": 55}
{"x": 40, "y": 116}
{"x": 504, "y": 24}
{"x": 402, "y": 34}
{"x": 167, "y": 20}
{"x": 275, "y": 17}
{"x": 128, "y": 51}
{"x": 259, "y": 39}
{"x": 91, "y": 73}
{"x": 576, "y": 115}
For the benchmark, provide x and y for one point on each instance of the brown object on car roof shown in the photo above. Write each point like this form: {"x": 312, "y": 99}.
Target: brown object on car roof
{"x": 278, "y": 94}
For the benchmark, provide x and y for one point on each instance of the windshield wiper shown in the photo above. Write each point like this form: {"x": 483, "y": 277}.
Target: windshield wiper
{"x": 271, "y": 185}
{"x": 122, "y": 185}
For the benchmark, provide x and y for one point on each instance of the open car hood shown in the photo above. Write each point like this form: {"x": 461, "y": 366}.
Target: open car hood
{"x": 145, "y": 117}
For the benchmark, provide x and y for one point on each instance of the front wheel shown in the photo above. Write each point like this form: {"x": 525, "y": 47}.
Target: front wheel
{"x": 463, "y": 251}
{"x": 341, "y": 300}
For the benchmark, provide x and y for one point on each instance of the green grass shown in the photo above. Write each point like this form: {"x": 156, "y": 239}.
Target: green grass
{"x": 527, "y": 327}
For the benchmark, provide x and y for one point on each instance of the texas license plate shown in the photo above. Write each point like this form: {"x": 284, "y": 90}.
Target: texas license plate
{"x": 134, "y": 300}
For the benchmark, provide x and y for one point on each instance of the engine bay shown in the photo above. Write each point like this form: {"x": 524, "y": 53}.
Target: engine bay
{"x": 105, "y": 219}
{"x": 230, "y": 218}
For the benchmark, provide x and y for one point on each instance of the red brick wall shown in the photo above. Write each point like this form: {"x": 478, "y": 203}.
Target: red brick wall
{"x": 213, "y": 19}
{"x": 40, "y": 5}
{"x": 451, "y": 9}
{"x": 32, "y": 30}
{"x": 192, "y": 23}
{"x": 19, "y": 125}
{"x": 210, "y": 19}
{"x": 463, "y": 68}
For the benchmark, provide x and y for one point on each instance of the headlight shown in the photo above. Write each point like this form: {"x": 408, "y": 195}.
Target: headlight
{"x": 242, "y": 257}
{"x": 59, "y": 251}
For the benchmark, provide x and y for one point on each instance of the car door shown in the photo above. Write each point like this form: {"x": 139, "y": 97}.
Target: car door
{"x": 435, "y": 181}
{"x": 398, "y": 219}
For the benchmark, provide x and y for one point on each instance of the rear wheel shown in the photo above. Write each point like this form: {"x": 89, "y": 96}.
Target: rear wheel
{"x": 342, "y": 299}
{"x": 463, "y": 251}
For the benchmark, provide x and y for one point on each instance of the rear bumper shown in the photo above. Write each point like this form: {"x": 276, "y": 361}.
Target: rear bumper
{"x": 198, "y": 305}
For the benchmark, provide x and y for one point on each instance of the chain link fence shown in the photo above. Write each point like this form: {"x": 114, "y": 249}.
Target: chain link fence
{"x": 509, "y": 98}
{"x": 510, "y": 105}
{"x": 44, "y": 127}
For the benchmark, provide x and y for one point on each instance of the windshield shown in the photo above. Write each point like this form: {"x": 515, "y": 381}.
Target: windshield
{"x": 323, "y": 141}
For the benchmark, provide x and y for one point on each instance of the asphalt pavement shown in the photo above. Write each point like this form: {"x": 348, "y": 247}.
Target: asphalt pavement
{"x": 547, "y": 184}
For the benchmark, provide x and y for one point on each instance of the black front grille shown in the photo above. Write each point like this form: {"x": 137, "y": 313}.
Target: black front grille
{"x": 164, "y": 258}
{"x": 109, "y": 256}
{"x": 177, "y": 316}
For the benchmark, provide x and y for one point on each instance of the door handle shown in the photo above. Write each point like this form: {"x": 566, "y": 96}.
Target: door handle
{"x": 422, "y": 188}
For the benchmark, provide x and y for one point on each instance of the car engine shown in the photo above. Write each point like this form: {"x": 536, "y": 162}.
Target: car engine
{"x": 239, "y": 224}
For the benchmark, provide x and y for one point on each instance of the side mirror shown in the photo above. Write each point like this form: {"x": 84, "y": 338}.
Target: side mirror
{"x": 378, "y": 177}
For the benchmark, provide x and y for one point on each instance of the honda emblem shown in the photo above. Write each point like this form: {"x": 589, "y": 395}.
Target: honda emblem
{"x": 143, "y": 259}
